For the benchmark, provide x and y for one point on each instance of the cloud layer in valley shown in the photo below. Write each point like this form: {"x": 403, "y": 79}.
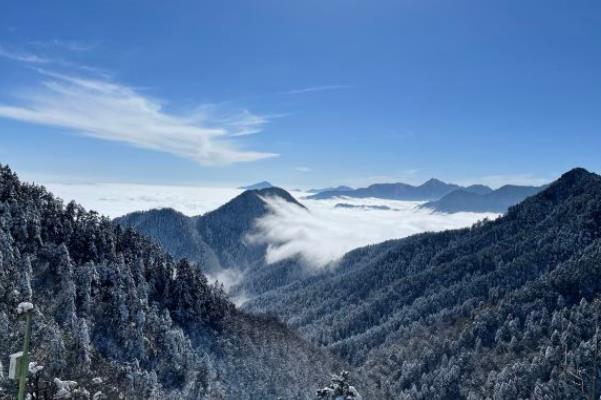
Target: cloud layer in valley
{"x": 117, "y": 199}
{"x": 320, "y": 234}
{"x": 111, "y": 111}
{"x": 323, "y": 233}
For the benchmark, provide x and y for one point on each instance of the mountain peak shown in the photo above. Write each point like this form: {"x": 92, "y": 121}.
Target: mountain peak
{"x": 249, "y": 205}
{"x": 576, "y": 173}
{"x": 572, "y": 183}
{"x": 432, "y": 181}
{"x": 275, "y": 191}
{"x": 435, "y": 183}
{"x": 257, "y": 186}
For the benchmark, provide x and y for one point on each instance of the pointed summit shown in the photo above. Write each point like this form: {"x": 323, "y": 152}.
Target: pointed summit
{"x": 575, "y": 182}
{"x": 278, "y": 192}
{"x": 215, "y": 240}
{"x": 257, "y": 186}
{"x": 576, "y": 174}
{"x": 433, "y": 183}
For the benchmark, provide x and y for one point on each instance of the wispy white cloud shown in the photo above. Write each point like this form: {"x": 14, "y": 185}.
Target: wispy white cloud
{"x": 22, "y": 56}
{"x": 323, "y": 233}
{"x": 318, "y": 89}
{"x": 112, "y": 111}
{"x": 245, "y": 123}
{"x": 71, "y": 45}
{"x": 303, "y": 169}
{"x": 33, "y": 58}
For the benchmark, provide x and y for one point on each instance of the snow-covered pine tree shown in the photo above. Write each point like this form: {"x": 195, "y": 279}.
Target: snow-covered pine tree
{"x": 339, "y": 389}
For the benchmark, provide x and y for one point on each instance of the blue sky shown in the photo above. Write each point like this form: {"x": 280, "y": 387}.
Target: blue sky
{"x": 305, "y": 93}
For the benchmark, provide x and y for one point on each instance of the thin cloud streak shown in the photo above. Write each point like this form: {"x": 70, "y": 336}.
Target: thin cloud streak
{"x": 71, "y": 45}
{"x": 33, "y": 59}
{"x": 303, "y": 169}
{"x": 318, "y": 89}
{"x": 111, "y": 111}
{"x": 23, "y": 56}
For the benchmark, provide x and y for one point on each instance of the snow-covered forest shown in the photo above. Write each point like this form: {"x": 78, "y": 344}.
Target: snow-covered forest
{"x": 505, "y": 309}
{"x": 116, "y": 317}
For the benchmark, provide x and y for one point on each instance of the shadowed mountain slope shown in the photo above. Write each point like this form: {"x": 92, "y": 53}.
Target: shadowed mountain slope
{"x": 502, "y": 310}
{"x": 216, "y": 240}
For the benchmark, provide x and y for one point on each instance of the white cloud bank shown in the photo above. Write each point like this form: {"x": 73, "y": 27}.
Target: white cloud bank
{"x": 320, "y": 234}
{"x": 111, "y": 111}
{"x": 324, "y": 233}
{"x": 117, "y": 199}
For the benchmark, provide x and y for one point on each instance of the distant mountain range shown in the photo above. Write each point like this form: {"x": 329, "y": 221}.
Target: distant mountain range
{"x": 495, "y": 201}
{"x": 257, "y": 186}
{"x": 478, "y": 189}
{"x": 441, "y": 196}
{"x": 430, "y": 190}
{"x": 340, "y": 188}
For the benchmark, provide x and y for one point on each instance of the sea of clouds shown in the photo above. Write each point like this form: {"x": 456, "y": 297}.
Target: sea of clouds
{"x": 117, "y": 199}
{"x": 321, "y": 233}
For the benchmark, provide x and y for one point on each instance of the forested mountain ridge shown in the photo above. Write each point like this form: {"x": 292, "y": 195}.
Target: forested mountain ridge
{"x": 225, "y": 229}
{"x": 503, "y": 310}
{"x": 175, "y": 232}
{"x": 218, "y": 242}
{"x": 110, "y": 304}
